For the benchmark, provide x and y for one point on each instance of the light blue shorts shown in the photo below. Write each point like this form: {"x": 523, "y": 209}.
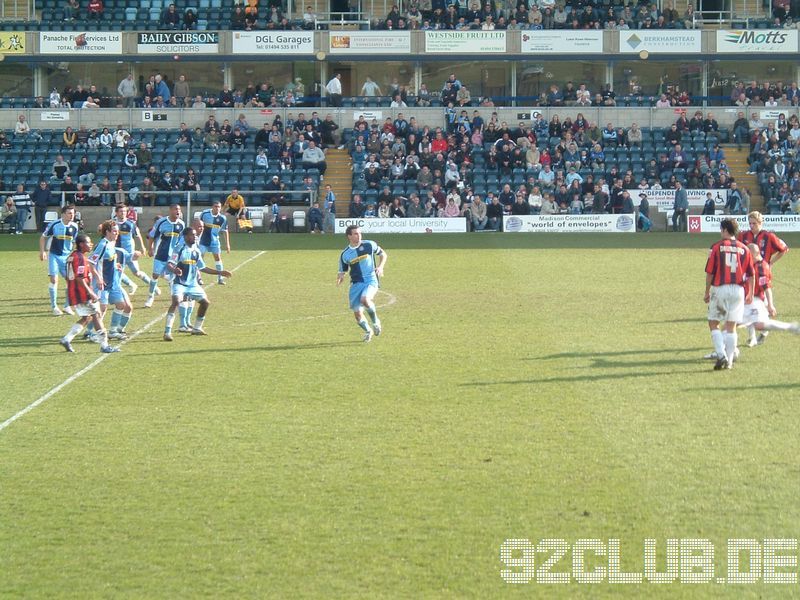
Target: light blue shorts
{"x": 132, "y": 264}
{"x": 184, "y": 292}
{"x": 160, "y": 268}
{"x": 112, "y": 296}
{"x": 213, "y": 247}
{"x": 56, "y": 265}
{"x": 358, "y": 291}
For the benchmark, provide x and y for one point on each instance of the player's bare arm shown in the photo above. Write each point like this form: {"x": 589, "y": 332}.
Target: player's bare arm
{"x": 773, "y": 312}
{"x": 707, "y": 297}
{"x": 776, "y": 257}
{"x": 211, "y": 271}
{"x": 339, "y": 279}
{"x": 174, "y": 269}
{"x": 381, "y": 263}
{"x": 42, "y": 251}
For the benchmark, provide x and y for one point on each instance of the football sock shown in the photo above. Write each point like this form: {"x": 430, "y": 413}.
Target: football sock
{"x": 730, "y": 344}
{"x": 218, "y": 265}
{"x": 198, "y": 324}
{"x": 189, "y": 311}
{"x": 126, "y": 280}
{"x": 170, "y": 319}
{"x": 52, "y": 289}
{"x": 124, "y": 320}
{"x": 143, "y": 276}
{"x": 183, "y": 310}
{"x": 153, "y": 286}
{"x": 371, "y": 312}
{"x": 104, "y": 341}
{"x": 718, "y": 341}
{"x": 776, "y": 326}
{"x": 90, "y": 327}
{"x": 751, "y": 332}
{"x": 74, "y": 330}
{"x": 364, "y": 325}
{"x": 115, "y": 317}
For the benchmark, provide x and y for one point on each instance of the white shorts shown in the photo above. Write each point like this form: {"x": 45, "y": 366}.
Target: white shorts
{"x": 755, "y": 312}
{"x": 727, "y": 303}
{"x": 87, "y": 309}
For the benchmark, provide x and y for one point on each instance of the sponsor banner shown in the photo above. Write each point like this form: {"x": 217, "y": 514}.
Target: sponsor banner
{"x": 177, "y": 42}
{"x": 149, "y": 116}
{"x": 660, "y": 41}
{"x": 84, "y": 42}
{"x": 370, "y": 226}
{"x": 54, "y": 115}
{"x": 570, "y": 224}
{"x": 465, "y": 42}
{"x": 741, "y": 41}
{"x": 371, "y": 42}
{"x": 665, "y": 199}
{"x": 770, "y": 115}
{"x": 277, "y": 42}
{"x": 369, "y": 115}
{"x": 563, "y": 41}
{"x": 12, "y": 42}
{"x": 710, "y": 223}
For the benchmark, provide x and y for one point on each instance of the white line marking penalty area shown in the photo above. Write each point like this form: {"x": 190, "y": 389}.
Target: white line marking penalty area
{"x": 41, "y": 400}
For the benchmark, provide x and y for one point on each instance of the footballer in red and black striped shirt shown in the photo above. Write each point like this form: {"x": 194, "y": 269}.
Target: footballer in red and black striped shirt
{"x": 82, "y": 297}
{"x": 729, "y": 286}
{"x": 771, "y": 246}
{"x": 79, "y": 274}
{"x": 729, "y": 262}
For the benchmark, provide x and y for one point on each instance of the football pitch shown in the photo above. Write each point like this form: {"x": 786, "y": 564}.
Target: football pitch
{"x": 528, "y": 387}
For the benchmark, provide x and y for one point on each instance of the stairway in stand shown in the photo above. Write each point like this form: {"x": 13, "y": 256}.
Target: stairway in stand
{"x": 339, "y": 176}
{"x": 15, "y": 10}
{"x": 737, "y": 163}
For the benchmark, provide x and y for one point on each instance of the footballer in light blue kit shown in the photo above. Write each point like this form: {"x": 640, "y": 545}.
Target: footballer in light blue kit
{"x": 129, "y": 234}
{"x": 214, "y": 224}
{"x": 163, "y": 238}
{"x": 359, "y": 259}
{"x": 185, "y": 264}
{"x": 109, "y": 260}
{"x": 61, "y": 234}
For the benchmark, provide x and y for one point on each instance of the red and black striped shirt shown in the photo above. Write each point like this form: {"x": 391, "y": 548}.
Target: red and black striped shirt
{"x": 767, "y": 242}
{"x": 729, "y": 262}
{"x": 78, "y": 269}
{"x": 763, "y": 279}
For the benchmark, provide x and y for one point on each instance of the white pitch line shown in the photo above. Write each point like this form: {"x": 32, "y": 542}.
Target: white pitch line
{"x": 97, "y": 361}
{"x": 392, "y": 300}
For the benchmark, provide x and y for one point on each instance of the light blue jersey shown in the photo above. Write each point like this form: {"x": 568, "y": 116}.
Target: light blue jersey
{"x": 189, "y": 260}
{"x": 128, "y": 232}
{"x": 212, "y": 226}
{"x": 360, "y": 262}
{"x": 62, "y": 239}
{"x": 166, "y": 234}
{"x": 109, "y": 261}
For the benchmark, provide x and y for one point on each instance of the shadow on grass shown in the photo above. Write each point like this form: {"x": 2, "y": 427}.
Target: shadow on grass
{"x": 577, "y": 378}
{"x": 22, "y": 342}
{"x": 26, "y": 315}
{"x": 687, "y": 320}
{"x": 600, "y": 355}
{"x": 769, "y": 386}
{"x": 180, "y": 349}
{"x": 23, "y": 300}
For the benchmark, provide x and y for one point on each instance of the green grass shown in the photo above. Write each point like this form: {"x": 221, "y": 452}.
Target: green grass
{"x": 525, "y": 387}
